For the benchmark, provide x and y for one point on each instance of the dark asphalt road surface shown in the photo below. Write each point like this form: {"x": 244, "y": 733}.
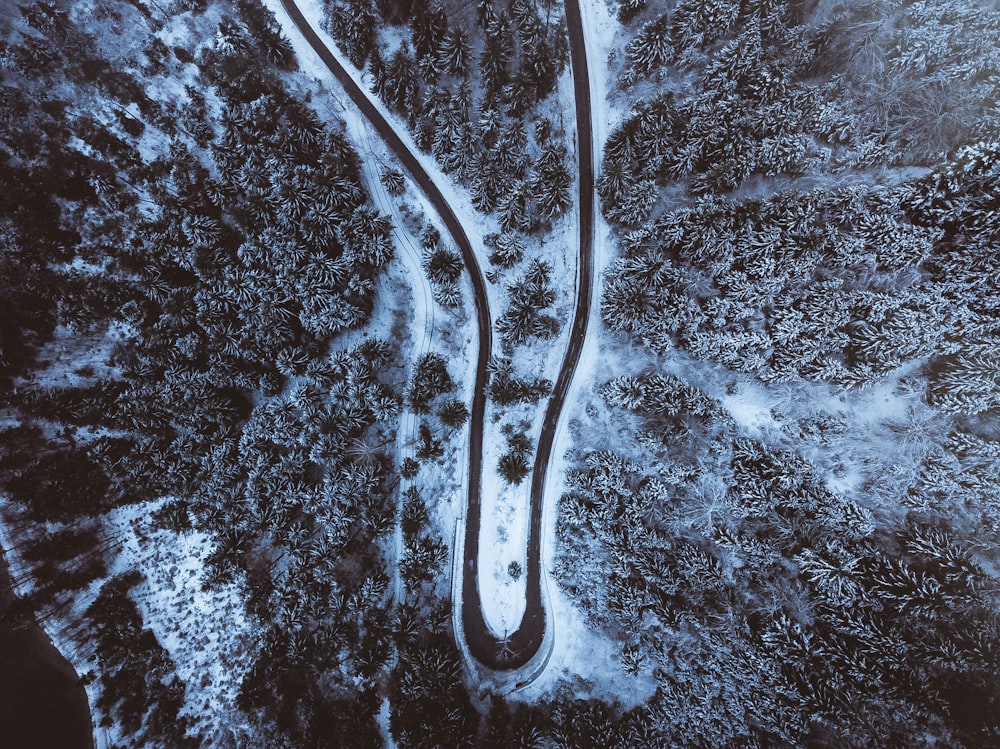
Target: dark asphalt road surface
{"x": 524, "y": 643}
{"x": 521, "y": 645}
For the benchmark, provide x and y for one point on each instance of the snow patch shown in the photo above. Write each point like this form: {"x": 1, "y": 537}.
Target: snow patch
{"x": 207, "y": 633}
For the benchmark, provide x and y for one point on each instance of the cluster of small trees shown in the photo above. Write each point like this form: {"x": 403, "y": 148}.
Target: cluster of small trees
{"x": 424, "y": 554}
{"x": 467, "y": 94}
{"x": 842, "y": 285}
{"x": 430, "y": 381}
{"x": 65, "y": 562}
{"x": 139, "y": 690}
{"x": 529, "y": 297}
{"x": 513, "y": 465}
{"x": 917, "y": 73}
{"x": 443, "y": 267}
{"x": 506, "y": 388}
{"x": 750, "y": 108}
{"x": 566, "y": 720}
{"x": 429, "y": 703}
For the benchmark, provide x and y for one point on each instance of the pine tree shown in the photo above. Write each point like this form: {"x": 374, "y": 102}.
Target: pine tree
{"x": 367, "y": 236}
{"x": 430, "y": 379}
{"x": 513, "y": 467}
{"x": 507, "y": 249}
{"x": 430, "y": 238}
{"x": 430, "y": 25}
{"x": 453, "y": 413}
{"x": 493, "y": 61}
{"x": 650, "y": 49}
{"x": 967, "y": 383}
{"x": 392, "y": 180}
{"x": 490, "y": 183}
{"x": 529, "y": 296}
{"x": 552, "y": 181}
{"x": 629, "y": 9}
{"x": 443, "y": 266}
{"x": 453, "y": 52}
{"x": 354, "y": 25}
{"x": 448, "y": 295}
{"x": 398, "y": 85}
{"x": 513, "y": 210}
{"x": 634, "y": 205}
{"x": 511, "y": 151}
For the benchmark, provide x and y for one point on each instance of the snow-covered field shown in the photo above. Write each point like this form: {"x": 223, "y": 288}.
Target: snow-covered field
{"x": 207, "y": 633}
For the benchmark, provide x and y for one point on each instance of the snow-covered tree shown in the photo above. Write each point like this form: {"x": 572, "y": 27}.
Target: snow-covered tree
{"x": 528, "y": 297}
{"x": 650, "y": 49}
{"x": 443, "y": 266}
{"x": 453, "y": 52}
{"x": 552, "y": 181}
{"x": 393, "y": 181}
{"x": 430, "y": 379}
{"x": 507, "y": 249}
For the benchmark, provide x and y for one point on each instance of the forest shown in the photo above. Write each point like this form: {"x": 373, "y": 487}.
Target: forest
{"x": 468, "y": 89}
{"x": 780, "y": 509}
{"x": 179, "y": 218}
{"x": 804, "y": 202}
{"x": 476, "y": 91}
{"x": 190, "y": 267}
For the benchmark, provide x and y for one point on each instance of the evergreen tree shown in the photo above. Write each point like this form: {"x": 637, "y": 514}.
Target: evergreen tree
{"x": 650, "y": 49}
{"x": 430, "y": 379}
{"x": 393, "y": 181}
{"x": 453, "y": 52}
{"x": 507, "y": 249}
{"x": 398, "y": 85}
{"x": 528, "y": 297}
{"x": 443, "y": 266}
{"x": 552, "y": 182}
{"x": 354, "y": 24}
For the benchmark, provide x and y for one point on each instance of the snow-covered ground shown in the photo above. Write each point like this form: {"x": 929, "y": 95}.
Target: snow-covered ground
{"x": 75, "y": 359}
{"x": 505, "y": 509}
{"x": 207, "y": 633}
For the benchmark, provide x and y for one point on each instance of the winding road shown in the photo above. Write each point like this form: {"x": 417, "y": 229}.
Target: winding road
{"x": 517, "y": 649}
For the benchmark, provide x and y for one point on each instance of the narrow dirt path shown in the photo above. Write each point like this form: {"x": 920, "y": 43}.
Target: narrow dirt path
{"x": 423, "y": 297}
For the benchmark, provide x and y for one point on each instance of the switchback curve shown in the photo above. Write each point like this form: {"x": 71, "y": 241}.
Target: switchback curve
{"x": 519, "y": 647}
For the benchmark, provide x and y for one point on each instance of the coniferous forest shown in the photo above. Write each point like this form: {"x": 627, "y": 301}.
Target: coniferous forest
{"x": 231, "y": 466}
